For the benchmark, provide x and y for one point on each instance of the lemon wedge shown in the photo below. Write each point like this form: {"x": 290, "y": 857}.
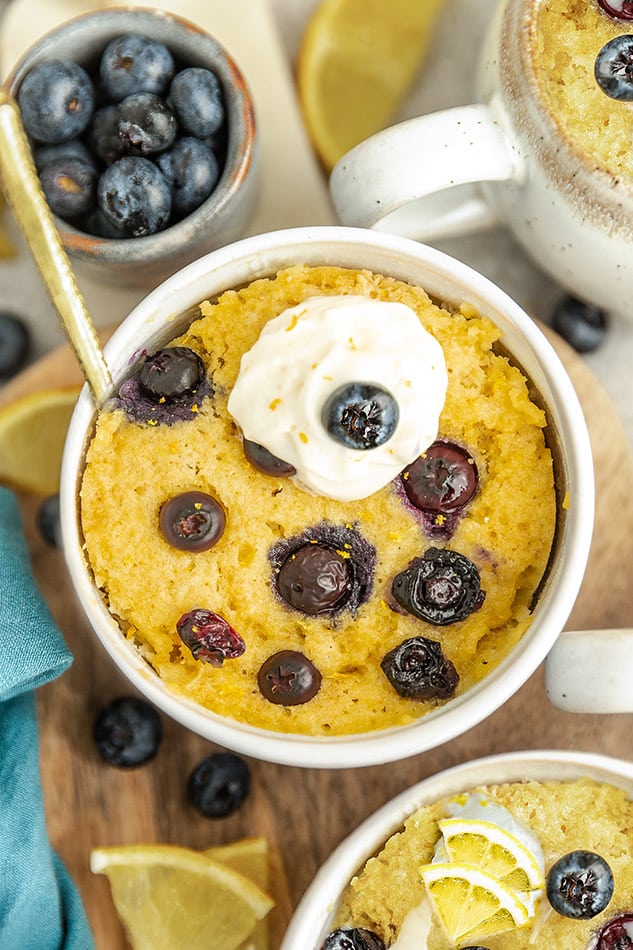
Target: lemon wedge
{"x": 492, "y": 849}
{"x": 32, "y": 434}
{"x": 470, "y": 903}
{"x": 248, "y": 856}
{"x": 168, "y": 896}
{"x": 356, "y": 62}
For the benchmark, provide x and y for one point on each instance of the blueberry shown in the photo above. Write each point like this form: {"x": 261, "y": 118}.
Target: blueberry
{"x": 315, "y": 579}
{"x": 209, "y": 636}
{"x": 360, "y": 415}
{"x": 103, "y": 135}
{"x": 443, "y": 479}
{"x": 618, "y": 9}
{"x": 441, "y": 587}
{"x": 617, "y": 934}
{"x": 192, "y": 171}
{"x": 74, "y": 148}
{"x": 418, "y": 669}
{"x": 192, "y": 521}
{"x": 582, "y": 325}
{"x": 15, "y": 344}
{"x": 171, "y": 372}
{"x": 47, "y": 521}
{"x": 219, "y": 785}
{"x": 128, "y": 732}
{"x": 614, "y": 68}
{"x": 56, "y": 99}
{"x": 95, "y": 222}
{"x": 133, "y": 195}
{"x": 353, "y": 938}
{"x": 147, "y": 125}
{"x": 288, "y": 678}
{"x": 135, "y": 63}
{"x": 580, "y": 885}
{"x": 69, "y": 185}
{"x": 195, "y": 95}
{"x": 265, "y": 462}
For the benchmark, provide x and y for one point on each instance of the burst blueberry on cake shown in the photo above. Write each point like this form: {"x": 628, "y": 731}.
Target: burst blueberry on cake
{"x": 503, "y": 867}
{"x": 325, "y": 508}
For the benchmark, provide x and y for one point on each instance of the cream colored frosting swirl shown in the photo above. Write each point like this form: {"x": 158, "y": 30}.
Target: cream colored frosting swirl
{"x": 306, "y": 353}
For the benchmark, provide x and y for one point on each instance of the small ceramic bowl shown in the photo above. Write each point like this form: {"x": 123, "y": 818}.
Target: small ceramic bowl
{"x": 312, "y": 920}
{"x": 166, "y": 312}
{"x": 224, "y": 216}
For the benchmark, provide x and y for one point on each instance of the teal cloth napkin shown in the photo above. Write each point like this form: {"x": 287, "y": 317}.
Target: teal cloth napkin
{"x": 40, "y": 908}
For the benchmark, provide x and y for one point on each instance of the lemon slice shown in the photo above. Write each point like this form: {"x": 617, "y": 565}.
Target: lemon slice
{"x": 470, "y": 903}
{"x": 356, "y": 62}
{"x": 32, "y": 434}
{"x": 175, "y": 897}
{"x": 249, "y": 857}
{"x": 492, "y": 849}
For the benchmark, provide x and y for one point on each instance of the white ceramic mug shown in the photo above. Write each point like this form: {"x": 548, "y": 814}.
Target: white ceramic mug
{"x": 506, "y": 159}
{"x": 168, "y": 310}
{"x": 312, "y": 920}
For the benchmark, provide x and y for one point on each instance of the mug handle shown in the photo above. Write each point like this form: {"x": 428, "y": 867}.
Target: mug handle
{"x": 420, "y": 178}
{"x": 589, "y": 671}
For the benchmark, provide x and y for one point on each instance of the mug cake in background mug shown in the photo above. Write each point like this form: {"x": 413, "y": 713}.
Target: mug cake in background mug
{"x": 546, "y": 150}
{"x": 332, "y": 500}
{"x": 507, "y": 852}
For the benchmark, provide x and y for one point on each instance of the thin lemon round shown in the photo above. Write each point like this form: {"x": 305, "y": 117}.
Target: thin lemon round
{"x": 492, "y": 849}
{"x": 175, "y": 897}
{"x": 357, "y": 61}
{"x": 471, "y": 904}
{"x": 32, "y": 434}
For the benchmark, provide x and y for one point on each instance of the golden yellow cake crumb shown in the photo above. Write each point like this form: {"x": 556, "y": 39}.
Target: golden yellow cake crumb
{"x": 132, "y": 469}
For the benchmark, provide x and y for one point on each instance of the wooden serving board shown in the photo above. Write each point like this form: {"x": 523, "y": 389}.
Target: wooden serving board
{"x": 304, "y": 814}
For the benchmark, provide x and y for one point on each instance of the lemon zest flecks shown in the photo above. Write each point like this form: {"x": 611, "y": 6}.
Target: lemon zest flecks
{"x": 273, "y": 405}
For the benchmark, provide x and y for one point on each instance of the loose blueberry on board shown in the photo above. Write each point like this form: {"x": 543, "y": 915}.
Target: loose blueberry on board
{"x": 288, "y": 678}
{"x": 443, "y": 479}
{"x": 56, "y": 100}
{"x": 418, "y": 669}
{"x": 192, "y": 521}
{"x": 219, "y": 785}
{"x": 195, "y": 95}
{"x": 315, "y": 579}
{"x": 617, "y": 934}
{"x": 135, "y": 63}
{"x": 47, "y": 521}
{"x": 128, "y": 732}
{"x": 265, "y": 462}
{"x": 15, "y": 344}
{"x": 582, "y": 325}
{"x": 441, "y": 587}
{"x": 191, "y": 171}
{"x": 360, "y": 415}
{"x": 147, "y": 125}
{"x": 171, "y": 372}
{"x": 209, "y": 636}
{"x": 614, "y": 68}
{"x": 354, "y": 938}
{"x": 69, "y": 185}
{"x": 580, "y": 885}
{"x": 134, "y": 196}
{"x": 618, "y": 9}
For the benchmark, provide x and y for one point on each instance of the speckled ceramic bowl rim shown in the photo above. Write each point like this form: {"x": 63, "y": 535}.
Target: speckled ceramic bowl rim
{"x": 156, "y": 319}
{"x": 312, "y": 919}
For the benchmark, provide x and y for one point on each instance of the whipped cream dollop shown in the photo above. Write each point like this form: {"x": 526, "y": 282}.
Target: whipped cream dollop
{"x": 308, "y": 352}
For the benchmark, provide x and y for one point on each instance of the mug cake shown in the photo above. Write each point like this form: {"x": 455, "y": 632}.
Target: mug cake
{"x": 500, "y": 867}
{"x": 325, "y": 508}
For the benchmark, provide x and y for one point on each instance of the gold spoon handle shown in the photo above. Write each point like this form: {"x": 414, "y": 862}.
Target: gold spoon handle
{"x": 23, "y": 193}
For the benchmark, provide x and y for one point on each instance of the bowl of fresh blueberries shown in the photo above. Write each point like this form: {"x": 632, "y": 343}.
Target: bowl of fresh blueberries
{"x": 142, "y": 131}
